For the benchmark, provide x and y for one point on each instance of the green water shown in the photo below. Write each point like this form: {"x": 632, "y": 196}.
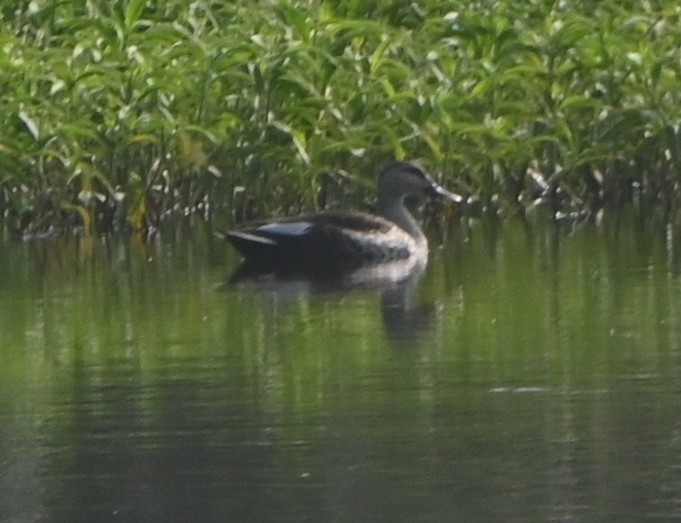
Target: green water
{"x": 532, "y": 374}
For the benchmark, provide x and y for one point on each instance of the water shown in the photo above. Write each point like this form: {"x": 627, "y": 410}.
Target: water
{"x": 531, "y": 374}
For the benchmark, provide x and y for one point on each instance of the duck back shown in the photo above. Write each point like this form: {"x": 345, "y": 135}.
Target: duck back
{"x": 330, "y": 239}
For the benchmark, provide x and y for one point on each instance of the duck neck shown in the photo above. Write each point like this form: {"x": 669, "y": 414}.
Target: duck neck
{"x": 395, "y": 211}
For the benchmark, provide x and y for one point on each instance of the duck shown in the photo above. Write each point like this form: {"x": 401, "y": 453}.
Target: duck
{"x": 334, "y": 239}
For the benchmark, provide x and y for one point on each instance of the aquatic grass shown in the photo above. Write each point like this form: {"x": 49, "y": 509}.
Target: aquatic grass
{"x": 119, "y": 114}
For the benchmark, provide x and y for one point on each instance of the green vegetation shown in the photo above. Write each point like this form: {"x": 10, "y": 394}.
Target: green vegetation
{"x": 115, "y": 112}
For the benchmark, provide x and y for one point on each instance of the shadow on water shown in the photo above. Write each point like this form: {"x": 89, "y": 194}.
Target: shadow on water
{"x": 406, "y": 321}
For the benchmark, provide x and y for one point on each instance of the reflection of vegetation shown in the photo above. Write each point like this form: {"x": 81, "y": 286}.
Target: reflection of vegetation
{"x": 503, "y": 301}
{"x": 123, "y": 111}
{"x": 549, "y": 356}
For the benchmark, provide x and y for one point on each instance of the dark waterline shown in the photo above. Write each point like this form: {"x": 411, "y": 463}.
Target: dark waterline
{"x": 531, "y": 374}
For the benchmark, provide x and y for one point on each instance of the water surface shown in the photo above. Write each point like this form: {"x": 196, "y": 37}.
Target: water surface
{"x": 532, "y": 374}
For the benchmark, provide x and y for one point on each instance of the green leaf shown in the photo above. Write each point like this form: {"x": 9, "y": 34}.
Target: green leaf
{"x": 377, "y": 57}
{"x": 79, "y": 131}
{"x": 578, "y": 101}
{"x": 30, "y": 124}
{"x": 132, "y": 13}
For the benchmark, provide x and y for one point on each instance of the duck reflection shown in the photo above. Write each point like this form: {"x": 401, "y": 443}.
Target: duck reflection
{"x": 406, "y": 321}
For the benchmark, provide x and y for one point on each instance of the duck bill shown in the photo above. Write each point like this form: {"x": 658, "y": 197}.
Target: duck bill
{"x": 441, "y": 192}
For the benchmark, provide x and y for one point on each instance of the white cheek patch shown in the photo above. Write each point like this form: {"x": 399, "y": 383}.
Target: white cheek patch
{"x": 286, "y": 228}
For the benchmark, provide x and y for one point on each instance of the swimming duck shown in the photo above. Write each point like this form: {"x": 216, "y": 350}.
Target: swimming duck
{"x": 345, "y": 239}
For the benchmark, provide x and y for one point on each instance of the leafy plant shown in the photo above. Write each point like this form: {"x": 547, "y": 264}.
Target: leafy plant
{"x": 147, "y": 109}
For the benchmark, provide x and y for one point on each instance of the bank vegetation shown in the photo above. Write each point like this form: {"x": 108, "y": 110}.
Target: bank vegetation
{"x": 114, "y": 115}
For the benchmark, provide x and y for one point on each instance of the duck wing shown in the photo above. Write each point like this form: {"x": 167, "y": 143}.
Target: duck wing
{"x": 330, "y": 238}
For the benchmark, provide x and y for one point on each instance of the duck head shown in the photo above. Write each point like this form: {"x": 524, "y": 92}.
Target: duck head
{"x": 402, "y": 179}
